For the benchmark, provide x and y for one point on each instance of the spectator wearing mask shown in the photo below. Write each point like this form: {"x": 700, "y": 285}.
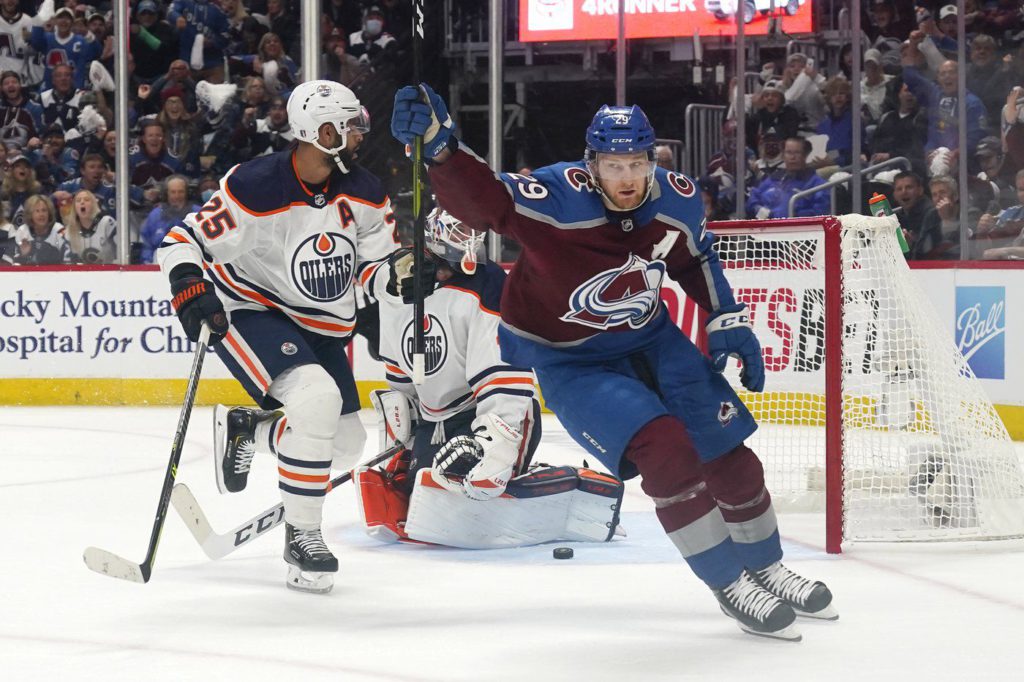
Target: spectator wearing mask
{"x": 873, "y": 87}
{"x": 940, "y": 101}
{"x": 61, "y": 103}
{"x": 1010, "y": 222}
{"x": 152, "y": 163}
{"x": 41, "y": 239}
{"x": 202, "y": 36}
{"x": 21, "y": 119}
{"x": 371, "y": 43}
{"x": 61, "y": 46}
{"x": 901, "y": 132}
{"x": 771, "y": 111}
{"x": 154, "y": 43}
{"x": 911, "y": 206}
{"x": 91, "y": 234}
{"x": 170, "y": 212}
{"x": 19, "y": 184}
{"x": 770, "y": 198}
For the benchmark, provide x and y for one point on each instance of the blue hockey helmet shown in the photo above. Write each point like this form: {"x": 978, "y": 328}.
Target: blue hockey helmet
{"x": 620, "y": 130}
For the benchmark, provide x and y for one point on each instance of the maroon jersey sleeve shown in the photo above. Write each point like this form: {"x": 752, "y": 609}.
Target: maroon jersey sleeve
{"x": 467, "y": 188}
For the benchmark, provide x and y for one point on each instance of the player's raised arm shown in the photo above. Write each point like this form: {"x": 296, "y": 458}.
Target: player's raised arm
{"x": 479, "y": 197}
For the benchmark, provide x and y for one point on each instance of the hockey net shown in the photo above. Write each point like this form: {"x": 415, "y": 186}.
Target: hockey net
{"x": 869, "y": 410}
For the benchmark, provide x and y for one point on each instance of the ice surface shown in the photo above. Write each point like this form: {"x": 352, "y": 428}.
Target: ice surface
{"x": 628, "y": 610}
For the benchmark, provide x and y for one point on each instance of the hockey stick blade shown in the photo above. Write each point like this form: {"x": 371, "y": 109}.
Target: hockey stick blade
{"x": 218, "y": 545}
{"x": 108, "y": 563}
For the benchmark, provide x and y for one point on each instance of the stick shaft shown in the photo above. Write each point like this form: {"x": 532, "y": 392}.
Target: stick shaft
{"x": 418, "y": 240}
{"x": 176, "y": 447}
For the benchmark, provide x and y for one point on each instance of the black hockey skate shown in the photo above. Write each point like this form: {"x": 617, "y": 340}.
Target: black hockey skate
{"x": 311, "y": 566}
{"x": 757, "y": 610}
{"x": 234, "y": 444}
{"x": 809, "y": 598}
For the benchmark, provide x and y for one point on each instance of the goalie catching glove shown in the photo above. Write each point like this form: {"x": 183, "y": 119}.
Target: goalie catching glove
{"x": 480, "y": 466}
{"x": 731, "y": 334}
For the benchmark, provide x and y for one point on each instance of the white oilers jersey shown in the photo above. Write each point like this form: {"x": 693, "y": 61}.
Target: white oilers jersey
{"x": 270, "y": 242}
{"x": 463, "y": 365}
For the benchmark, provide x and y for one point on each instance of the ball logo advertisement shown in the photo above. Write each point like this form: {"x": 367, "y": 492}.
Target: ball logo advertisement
{"x": 981, "y": 329}
{"x": 551, "y": 20}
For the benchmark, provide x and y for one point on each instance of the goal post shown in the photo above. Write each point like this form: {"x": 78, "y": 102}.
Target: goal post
{"x": 870, "y": 411}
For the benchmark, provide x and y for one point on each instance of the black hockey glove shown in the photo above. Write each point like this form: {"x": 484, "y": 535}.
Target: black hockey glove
{"x": 400, "y": 282}
{"x": 195, "y": 302}
{"x": 368, "y": 326}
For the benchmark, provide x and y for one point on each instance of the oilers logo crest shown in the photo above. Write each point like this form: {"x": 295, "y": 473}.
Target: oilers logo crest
{"x": 626, "y": 295}
{"x": 435, "y": 344}
{"x": 322, "y": 266}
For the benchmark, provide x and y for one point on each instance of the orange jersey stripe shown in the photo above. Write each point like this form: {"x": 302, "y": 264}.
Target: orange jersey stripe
{"x": 305, "y": 478}
{"x": 504, "y": 382}
{"x": 247, "y": 360}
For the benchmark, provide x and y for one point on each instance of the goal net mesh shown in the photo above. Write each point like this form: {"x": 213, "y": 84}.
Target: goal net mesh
{"x": 924, "y": 454}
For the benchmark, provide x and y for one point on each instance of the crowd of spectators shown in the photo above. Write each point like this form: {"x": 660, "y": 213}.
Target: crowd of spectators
{"x": 209, "y": 80}
{"x": 909, "y": 108}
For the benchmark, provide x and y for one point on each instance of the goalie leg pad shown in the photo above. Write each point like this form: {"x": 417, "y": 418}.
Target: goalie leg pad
{"x": 396, "y": 418}
{"x": 382, "y": 505}
{"x": 556, "y": 503}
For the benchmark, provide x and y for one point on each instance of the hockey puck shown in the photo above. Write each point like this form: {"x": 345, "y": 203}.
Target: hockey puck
{"x": 562, "y": 553}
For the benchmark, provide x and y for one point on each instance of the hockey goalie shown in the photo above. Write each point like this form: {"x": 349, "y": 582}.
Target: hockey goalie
{"x": 464, "y": 477}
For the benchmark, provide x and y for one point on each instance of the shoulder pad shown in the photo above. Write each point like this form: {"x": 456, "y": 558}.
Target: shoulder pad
{"x": 361, "y": 184}
{"x": 562, "y": 194}
{"x": 256, "y": 186}
{"x": 678, "y": 196}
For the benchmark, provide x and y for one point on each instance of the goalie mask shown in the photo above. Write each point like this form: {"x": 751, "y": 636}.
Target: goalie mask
{"x": 315, "y": 103}
{"x": 452, "y": 241}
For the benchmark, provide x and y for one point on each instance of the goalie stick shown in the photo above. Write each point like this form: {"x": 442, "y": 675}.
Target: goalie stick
{"x": 108, "y": 563}
{"x": 219, "y": 545}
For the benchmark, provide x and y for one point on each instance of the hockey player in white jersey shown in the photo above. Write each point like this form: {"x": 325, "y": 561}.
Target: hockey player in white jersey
{"x": 282, "y": 244}
{"x": 471, "y": 428}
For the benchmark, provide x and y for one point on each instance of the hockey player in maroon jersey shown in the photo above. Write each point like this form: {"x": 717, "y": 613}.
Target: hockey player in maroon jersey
{"x": 582, "y": 307}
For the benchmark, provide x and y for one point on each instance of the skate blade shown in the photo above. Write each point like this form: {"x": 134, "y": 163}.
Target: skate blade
{"x": 786, "y": 634}
{"x": 827, "y": 613}
{"x": 220, "y": 444}
{"x": 309, "y": 581}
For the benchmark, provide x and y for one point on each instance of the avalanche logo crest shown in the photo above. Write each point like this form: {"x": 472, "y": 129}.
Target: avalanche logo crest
{"x": 435, "y": 344}
{"x": 626, "y": 295}
{"x": 322, "y": 266}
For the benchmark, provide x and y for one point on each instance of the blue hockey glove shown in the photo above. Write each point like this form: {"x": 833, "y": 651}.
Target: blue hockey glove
{"x": 730, "y": 333}
{"x": 421, "y": 111}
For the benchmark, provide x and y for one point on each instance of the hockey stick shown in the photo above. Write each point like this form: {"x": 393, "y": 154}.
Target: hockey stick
{"x": 219, "y": 545}
{"x": 418, "y": 239}
{"x": 108, "y": 563}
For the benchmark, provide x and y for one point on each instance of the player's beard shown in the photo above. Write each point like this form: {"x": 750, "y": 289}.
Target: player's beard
{"x": 347, "y": 157}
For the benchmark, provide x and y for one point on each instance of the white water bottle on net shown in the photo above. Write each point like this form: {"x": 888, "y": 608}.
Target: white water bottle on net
{"x": 869, "y": 410}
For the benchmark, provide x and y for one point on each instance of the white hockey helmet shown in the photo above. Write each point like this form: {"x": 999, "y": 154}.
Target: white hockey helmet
{"x": 453, "y": 241}
{"x": 315, "y": 103}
